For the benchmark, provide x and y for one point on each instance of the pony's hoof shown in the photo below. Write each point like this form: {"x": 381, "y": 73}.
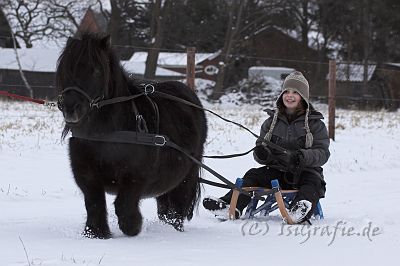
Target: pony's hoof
{"x": 176, "y": 222}
{"x": 178, "y": 225}
{"x": 96, "y": 234}
{"x": 130, "y": 229}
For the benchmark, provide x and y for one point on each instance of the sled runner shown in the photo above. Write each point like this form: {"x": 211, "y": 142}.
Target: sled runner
{"x": 275, "y": 199}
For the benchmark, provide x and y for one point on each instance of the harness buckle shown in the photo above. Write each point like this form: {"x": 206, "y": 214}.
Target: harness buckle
{"x": 96, "y": 102}
{"x": 149, "y": 89}
{"x": 159, "y": 140}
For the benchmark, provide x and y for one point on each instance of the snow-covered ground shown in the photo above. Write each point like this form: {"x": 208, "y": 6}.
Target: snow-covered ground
{"x": 42, "y": 212}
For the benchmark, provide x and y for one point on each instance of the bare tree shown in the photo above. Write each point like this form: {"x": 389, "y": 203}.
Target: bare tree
{"x": 161, "y": 10}
{"x": 230, "y": 37}
{"x": 246, "y": 18}
{"x": 27, "y": 85}
{"x": 33, "y": 20}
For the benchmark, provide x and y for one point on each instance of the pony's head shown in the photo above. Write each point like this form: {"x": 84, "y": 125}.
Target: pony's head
{"x": 83, "y": 75}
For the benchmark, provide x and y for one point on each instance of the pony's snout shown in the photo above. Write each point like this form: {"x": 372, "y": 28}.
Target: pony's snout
{"x": 73, "y": 112}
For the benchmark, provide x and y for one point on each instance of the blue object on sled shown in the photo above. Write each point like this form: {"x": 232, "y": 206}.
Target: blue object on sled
{"x": 270, "y": 205}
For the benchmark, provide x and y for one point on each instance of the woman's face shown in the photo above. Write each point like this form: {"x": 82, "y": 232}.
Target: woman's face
{"x": 291, "y": 100}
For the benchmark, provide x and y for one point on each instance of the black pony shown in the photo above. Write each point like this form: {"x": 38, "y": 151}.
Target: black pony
{"x": 88, "y": 77}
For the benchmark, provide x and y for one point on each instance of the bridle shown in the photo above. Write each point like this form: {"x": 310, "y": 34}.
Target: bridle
{"x": 99, "y": 102}
{"x": 93, "y": 102}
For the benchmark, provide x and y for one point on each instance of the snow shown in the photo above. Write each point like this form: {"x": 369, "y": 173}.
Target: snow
{"x": 42, "y": 212}
{"x": 45, "y": 60}
{"x": 139, "y": 68}
{"x": 170, "y": 59}
{"x": 32, "y": 59}
{"x": 352, "y": 72}
{"x": 275, "y": 72}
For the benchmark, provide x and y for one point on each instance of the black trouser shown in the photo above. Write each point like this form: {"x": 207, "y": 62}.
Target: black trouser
{"x": 309, "y": 185}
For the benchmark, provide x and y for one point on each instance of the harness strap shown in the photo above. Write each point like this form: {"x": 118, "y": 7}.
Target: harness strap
{"x": 267, "y": 142}
{"x": 102, "y": 103}
{"x": 228, "y": 156}
{"x": 177, "y": 99}
{"x": 131, "y": 137}
{"x": 156, "y": 114}
{"x": 149, "y": 90}
{"x": 212, "y": 183}
{"x": 29, "y": 99}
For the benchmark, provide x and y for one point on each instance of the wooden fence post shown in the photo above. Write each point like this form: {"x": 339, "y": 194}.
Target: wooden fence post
{"x": 190, "y": 67}
{"x": 332, "y": 98}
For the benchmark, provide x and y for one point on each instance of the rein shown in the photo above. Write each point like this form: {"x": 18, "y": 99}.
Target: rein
{"x": 148, "y": 90}
{"x": 28, "y": 99}
{"x": 146, "y": 138}
{"x": 132, "y": 137}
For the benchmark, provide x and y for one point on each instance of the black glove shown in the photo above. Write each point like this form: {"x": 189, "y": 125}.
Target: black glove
{"x": 292, "y": 160}
{"x": 262, "y": 152}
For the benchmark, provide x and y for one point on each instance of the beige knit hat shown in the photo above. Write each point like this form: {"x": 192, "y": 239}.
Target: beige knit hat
{"x": 297, "y": 82}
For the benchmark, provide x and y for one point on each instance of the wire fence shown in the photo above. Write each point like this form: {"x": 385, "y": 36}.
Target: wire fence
{"x": 369, "y": 85}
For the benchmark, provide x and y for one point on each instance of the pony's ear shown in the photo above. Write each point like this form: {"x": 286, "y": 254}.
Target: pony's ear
{"x": 70, "y": 39}
{"x": 106, "y": 41}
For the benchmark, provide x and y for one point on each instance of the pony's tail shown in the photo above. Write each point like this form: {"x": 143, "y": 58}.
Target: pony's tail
{"x": 65, "y": 132}
{"x": 194, "y": 202}
{"x": 194, "y": 192}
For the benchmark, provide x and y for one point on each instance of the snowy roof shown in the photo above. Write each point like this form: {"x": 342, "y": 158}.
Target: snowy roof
{"x": 170, "y": 59}
{"x": 394, "y": 64}
{"x": 275, "y": 72}
{"x": 352, "y": 72}
{"x": 271, "y": 68}
{"x": 139, "y": 68}
{"x": 45, "y": 60}
{"x": 33, "y": 59}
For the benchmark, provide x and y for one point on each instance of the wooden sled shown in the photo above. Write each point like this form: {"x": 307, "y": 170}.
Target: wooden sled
{"x": 275, "y": 199}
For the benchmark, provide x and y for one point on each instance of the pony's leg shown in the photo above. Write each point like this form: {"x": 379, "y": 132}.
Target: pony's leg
{"x": 95, "y": 203}
{"x": 178, "y": 204}
{"x": 127, "y": 208}
{"x": 168, "y": 213}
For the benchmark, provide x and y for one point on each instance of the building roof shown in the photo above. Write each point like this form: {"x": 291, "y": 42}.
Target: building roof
{"x": 394, "y": 64}
{"x": 45, "y": 60}
{"x": 33, "y": 59}
{"x": 93, "y": 21}
{"x": 352, "y": 72}
{"x": 170, "y": 59}
{"x": 139, "y": 68}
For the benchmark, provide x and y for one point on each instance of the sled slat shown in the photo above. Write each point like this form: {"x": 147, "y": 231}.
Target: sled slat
{"x": 232, "y": 206}
{"x": 282, "y": 208}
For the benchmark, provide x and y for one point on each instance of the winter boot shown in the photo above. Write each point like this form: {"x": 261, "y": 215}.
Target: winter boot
{"x": 298, "y": 213}
{"x": 218, "y": 207}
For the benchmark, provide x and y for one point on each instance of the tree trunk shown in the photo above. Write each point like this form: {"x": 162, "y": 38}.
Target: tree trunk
{"x": 114, "y": 22}
{"x": 304, "y": 24}
{"x": 366, "y": 29}
{"x": 227, "y": 49}
{"x": 28, "y": 87}
{"x": 159, "y": 15}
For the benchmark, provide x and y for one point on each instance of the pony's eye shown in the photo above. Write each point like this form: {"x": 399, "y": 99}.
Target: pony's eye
{"x": 96, "y": 72}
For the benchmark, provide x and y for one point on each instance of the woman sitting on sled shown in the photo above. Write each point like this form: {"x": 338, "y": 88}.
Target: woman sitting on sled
{"x": 296, "y": 126}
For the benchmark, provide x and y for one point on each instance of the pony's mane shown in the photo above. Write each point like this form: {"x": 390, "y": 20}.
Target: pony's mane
{"x": 95, "y": 50}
